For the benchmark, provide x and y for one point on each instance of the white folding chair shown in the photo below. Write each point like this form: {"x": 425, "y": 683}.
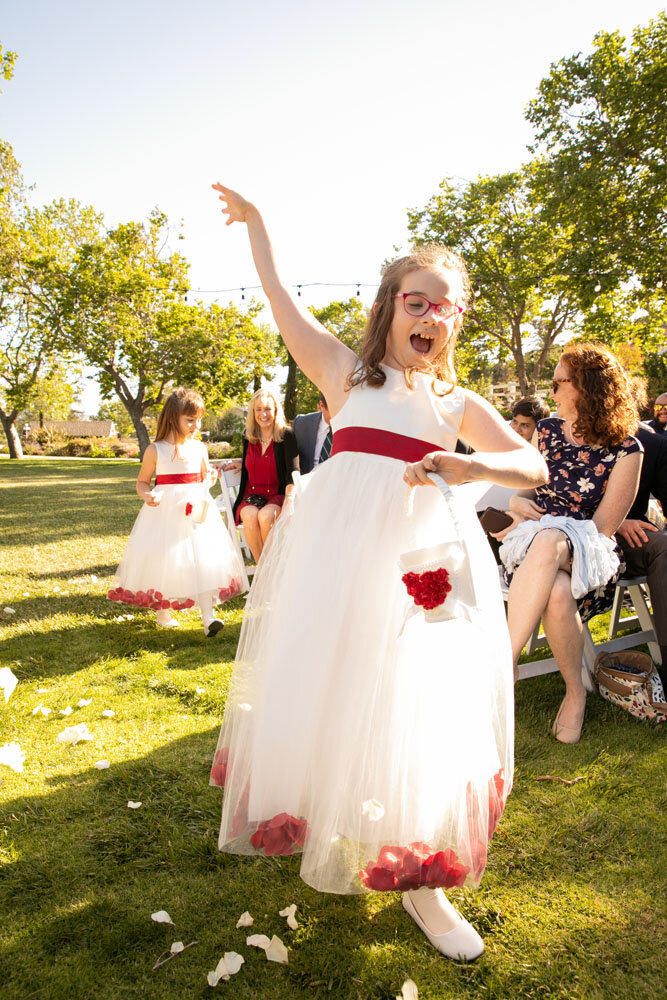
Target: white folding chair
{"x": 229, "y": 488}
{"x": 634, "y": 587}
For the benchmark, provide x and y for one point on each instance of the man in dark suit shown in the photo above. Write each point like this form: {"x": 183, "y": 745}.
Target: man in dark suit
{"x": 644, "y": 546}
{"x": 313, "y": 436}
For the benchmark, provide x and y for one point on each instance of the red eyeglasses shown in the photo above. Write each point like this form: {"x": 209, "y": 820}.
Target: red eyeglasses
{"x": 418, "y": 305}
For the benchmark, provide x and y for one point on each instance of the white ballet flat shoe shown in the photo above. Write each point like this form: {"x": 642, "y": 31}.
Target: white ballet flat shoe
{"x": 463, "y": 943}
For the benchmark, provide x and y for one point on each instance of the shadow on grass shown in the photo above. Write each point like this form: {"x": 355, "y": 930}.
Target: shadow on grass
{"x": 87, "y": 872}
{"x": 83, "y": 644}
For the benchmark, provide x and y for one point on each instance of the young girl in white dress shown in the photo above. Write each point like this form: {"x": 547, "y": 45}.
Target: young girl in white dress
{"x": 376, "y": 743}
{"x": 179, "y": 552}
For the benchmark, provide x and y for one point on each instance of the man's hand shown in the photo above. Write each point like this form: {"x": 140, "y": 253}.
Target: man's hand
{"x": 635, "y": 532}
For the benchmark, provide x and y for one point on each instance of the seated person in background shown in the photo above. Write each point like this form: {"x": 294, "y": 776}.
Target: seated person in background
{"x": 269, "y": 458}
{"x": 594, "y": 467}
{"x": 313, "y": 436}
{"x": 644, "y": 547}
{"x": 525, "y": 414}
{"x": 659, "y": 422}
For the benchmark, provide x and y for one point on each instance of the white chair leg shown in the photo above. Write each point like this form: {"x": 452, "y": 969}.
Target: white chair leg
{"x": 645, "y": 619}
{"x": 616, "y": 610}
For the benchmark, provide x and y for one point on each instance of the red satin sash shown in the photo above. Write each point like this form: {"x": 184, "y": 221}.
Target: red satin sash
{"x": 372, "y": 441}
{"x": 181, "y": 477}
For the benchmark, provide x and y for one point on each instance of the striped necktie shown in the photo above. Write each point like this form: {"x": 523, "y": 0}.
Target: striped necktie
{"x": 325, "y": 450}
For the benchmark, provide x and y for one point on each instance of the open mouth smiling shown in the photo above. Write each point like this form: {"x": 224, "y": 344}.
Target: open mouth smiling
{"x": 422, "y": 342}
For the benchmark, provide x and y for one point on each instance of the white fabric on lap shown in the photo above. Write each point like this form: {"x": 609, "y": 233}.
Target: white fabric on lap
{"x": 594, "y": 557}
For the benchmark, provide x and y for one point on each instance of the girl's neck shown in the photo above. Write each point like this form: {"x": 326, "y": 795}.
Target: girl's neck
{"x": 176, "y": 439}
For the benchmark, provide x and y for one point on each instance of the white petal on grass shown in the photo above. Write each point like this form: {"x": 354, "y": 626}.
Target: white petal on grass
{"x": 276, "y": 952}
{"x": 245, "y": 920}
{"x": 200, "y": 690}
{"x": 177, "y": 947}
{"x": 93, "y": 578}
{"x": 42, "y": 690}
{"x": 8, "y": 681}
{"x": 135, "y": 805}
{"x": 102, "y": 765}
{"x": 74, "y": 734}
{"x": 66, "y": 711}
{"x": 161, "y": 917}
{"x": 108, "y": 713}
{"x": 289, "y": 912}
{"x": 26, "y": 593}
{"x": 56, "y": 590}
{"x": 372, "y": 810}
{"x": 258, "y": 941}
{"x": 9, "y": 611}
{"x": 408, "y": 991}
{"x": 40, "y": 710}
{"x": 229, "y": 965}
{"x": 12, "y": 756}
{"x": 82, "y": 702}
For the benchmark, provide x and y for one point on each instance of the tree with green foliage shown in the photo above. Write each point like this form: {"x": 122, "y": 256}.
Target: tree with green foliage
{"x": 36, "y": 248}
{"x": 523, "y": 301}
{"x": 347, "y": 320}
{"x": 55, "y": 392}
{"x": 601, "y": 132}
{"x": 124, "y": 306}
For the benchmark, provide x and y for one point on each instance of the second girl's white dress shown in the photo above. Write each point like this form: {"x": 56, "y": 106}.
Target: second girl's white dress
{"x": 175, "y": 555}
{"x": 374, "y": 742}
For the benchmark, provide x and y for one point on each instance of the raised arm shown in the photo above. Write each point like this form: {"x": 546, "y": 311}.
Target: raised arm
{"x": 320, "y": 355}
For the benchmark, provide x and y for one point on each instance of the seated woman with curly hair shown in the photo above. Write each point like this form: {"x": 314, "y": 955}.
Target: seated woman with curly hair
{"x": 559, "y": 569}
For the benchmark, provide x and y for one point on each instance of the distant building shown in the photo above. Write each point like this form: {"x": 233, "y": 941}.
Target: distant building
{"x": 81, "y": 428}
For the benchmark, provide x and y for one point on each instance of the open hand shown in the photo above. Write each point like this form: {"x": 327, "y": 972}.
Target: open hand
{"x": 635, "y": 532}
{"x": 234, "y": 206}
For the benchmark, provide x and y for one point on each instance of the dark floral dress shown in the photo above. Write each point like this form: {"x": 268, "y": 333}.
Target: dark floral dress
{"x": 578, "y": 477}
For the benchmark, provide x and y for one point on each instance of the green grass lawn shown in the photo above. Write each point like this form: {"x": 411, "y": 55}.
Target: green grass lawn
{"x": 572, "y": 905}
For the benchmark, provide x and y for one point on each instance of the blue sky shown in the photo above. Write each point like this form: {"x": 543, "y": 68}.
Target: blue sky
{"x": 333, "y": 117}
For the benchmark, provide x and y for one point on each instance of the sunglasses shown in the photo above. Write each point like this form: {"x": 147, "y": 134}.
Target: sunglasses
{"x": 659, "y": 407}
{"x": 557, "y": 382}
{"x": 418, "y": 305}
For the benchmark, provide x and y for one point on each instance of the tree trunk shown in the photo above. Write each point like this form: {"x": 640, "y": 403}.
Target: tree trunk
{"x": 290, "y": 388}
{"x": 12, "y": 435}
{"x": 140, "y": 427}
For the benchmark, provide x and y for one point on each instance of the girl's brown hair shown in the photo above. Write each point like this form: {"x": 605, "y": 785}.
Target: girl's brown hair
{"x": 280, "y": 425}
{"x": 181, "y": 401}
{"x": 374, "y": 346}
{"x": 606, "y": 409}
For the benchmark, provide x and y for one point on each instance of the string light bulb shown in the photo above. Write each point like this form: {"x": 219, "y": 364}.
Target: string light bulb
{"x": 598, "y": 287}
{"x": 242, "y": 294}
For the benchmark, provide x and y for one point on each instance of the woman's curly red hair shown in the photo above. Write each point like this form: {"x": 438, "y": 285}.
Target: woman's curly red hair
{"x": 606, "y": 409}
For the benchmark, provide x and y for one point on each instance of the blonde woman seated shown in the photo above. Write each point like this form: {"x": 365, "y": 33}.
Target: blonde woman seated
{"x": 270, "y": 456}
{"x": 594, "y": 467}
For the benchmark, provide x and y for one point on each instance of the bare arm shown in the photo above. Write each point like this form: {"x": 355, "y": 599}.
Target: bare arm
{"x": 501, "y": 456}
{"x": 619, "y": 495}
{"x": 320, "y": 355}
{"x": 145, "y": 477}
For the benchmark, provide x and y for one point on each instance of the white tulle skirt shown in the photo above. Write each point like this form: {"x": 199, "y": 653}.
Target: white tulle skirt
{"x": 172, "y": 557}
{"x": 377, "y": 744}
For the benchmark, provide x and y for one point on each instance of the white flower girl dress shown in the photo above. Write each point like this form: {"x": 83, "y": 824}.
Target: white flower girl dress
{"x": 179, "y": 551}
{"x": 377, "y": 743}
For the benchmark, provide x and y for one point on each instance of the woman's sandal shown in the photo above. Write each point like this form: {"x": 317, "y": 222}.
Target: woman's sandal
{"x": 463, "y": 943}
{"x": 567, "y": 734}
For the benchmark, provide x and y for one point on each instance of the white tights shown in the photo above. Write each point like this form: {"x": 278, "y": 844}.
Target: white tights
{"x": 435, "y": 910}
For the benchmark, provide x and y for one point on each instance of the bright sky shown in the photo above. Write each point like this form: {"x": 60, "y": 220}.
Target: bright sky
{"x": 334, "y": 116}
